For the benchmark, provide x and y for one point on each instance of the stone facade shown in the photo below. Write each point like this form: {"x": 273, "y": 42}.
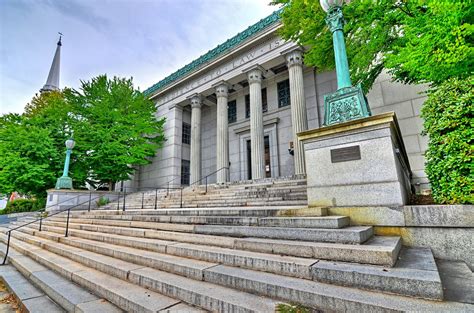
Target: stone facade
{"x": 276, "y": 61}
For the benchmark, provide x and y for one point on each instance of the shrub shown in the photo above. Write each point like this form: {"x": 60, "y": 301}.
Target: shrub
{"x": 24, "y": 205}
{"x": 448, "y": 117}
{"x": 102, "y": 201}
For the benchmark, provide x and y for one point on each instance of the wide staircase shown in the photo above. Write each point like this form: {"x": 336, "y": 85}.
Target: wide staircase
{"x": 229, "y": 259}
{"x": 289, "y": 191}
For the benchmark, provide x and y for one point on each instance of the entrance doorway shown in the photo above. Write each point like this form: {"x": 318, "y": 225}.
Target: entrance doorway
{"x": 268, "y": 171}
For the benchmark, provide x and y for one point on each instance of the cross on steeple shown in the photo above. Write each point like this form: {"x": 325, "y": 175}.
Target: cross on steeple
{"x": 52, "y": 83}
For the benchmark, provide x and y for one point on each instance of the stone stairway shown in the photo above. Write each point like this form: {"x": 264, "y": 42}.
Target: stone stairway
{"x": 288, "y": 191}
{"x": 233, "y": 260}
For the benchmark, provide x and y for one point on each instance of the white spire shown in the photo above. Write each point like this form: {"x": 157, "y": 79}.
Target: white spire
{"x": 52, "y": 83}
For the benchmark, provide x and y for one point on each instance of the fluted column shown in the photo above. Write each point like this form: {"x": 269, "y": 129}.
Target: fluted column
{"x": 195, "y": 161}
{"x": 254, "y": 77}
{"x": 222, "y": 132}
{"x": 299, "y": 118}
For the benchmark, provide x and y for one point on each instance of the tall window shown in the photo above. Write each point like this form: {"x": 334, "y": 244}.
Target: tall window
{"x": 247, "y": 106}
{"x": 283, "y": 88}
{"x": 232, "y": 111}
{"x": 264, "y": 100}
{"x": 264, "y": 103}
{"x": 185, "y": 172}
{"x": 186, "y": 133}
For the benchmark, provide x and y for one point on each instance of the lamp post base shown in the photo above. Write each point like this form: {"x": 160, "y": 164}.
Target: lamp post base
{"x": 64, "y": 182}
{"x": 344, "y": 105}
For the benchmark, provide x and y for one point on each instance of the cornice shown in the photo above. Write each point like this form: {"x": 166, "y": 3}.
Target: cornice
{"x": 217, "y": 52}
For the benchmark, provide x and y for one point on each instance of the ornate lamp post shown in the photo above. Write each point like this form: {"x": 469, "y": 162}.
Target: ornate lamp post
{"x": 65, "y": 182}
{"x": 348, "y": 102}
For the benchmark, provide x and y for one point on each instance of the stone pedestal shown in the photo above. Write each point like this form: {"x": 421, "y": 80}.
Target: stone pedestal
{"x": 361, "y": 162}
{"x": 77, "y": 199}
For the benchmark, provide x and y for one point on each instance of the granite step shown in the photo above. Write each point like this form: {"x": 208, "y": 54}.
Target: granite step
{"x": 347, "y": 235}
{"x": 330, "y": 222}
{"x": 310, "y": 293}
{"x": 40, "y": 289}
{"x": 377, "y": 250}
{"x": 29, "y": 297}
{"x": 162, "y": 290}
{"x": 415, "y": 275}
{"x": 257, "y": 211}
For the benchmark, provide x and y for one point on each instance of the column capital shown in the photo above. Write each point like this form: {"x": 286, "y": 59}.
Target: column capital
{"x": 254, "y": 73}
{"x": 294, "y": 57}
{"x": 195, "y": 100}
{"x": 222, "y": 89}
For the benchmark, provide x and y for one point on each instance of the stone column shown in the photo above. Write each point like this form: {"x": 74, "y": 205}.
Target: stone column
{"x": 299, "y": 119}
{"x": 222, "y": 133}
{"x": 195, "y": 161}
{"x": 254, "y": 77}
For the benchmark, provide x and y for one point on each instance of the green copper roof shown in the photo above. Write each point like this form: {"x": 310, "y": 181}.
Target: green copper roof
{"x": 217, "y": 51}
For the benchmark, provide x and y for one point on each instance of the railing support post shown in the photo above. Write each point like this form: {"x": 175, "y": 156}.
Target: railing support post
{"x": 118, "y": 201}
{"x": 181, "y": 203}
{"x": 90, "y": 197}
{"x": 206, "y": 184}
{"x": 168, "y": 189}
{"x": 124, "y": 196}
{"x": 143, "y": 198}
{"x": 41, "y": 221}
{"x": 156, "y": 198}
{"x": 8, "y": 248}
{"x": 67, "y": 222}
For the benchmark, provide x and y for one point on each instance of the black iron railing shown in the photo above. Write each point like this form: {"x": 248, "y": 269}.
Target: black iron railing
{"x": 205, "y": 178}
{"x": 41, "y": 218}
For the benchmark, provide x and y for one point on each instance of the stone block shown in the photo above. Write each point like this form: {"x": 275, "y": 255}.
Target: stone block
{"x": 411, "y": 126}
{"x": 375, "y": 98}
{"x": 456, "y": 243}
{"x": 382, "y": 216}
{"x": 395, "y": 92}
{"x": 41, "y": 304}
{"x": 439, "y": 215}
{"x": 406, "y": 279}
{"x": 417, "y": 104}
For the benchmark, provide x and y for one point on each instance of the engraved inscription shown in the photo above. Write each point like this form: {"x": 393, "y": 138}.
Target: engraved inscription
{"x": 345, "y": 154}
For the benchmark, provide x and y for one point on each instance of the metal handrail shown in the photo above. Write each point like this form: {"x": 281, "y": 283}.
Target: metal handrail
{"x": 205, "y": 177}
{"x": 144, "y": 189}
{"x": 40, "y": 219}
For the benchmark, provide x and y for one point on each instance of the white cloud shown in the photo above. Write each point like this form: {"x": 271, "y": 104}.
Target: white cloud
{"x": 144, "y": 39}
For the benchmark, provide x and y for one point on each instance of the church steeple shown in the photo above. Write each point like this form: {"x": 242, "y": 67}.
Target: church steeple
{"x": 52, "y": 83}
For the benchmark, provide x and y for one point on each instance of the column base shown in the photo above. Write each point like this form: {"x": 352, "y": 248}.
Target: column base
{"x": 344, "y": 105}
{"x": 64, "y": 182}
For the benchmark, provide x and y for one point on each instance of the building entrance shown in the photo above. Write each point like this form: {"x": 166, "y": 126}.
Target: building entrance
{"x": 268, "y": 171}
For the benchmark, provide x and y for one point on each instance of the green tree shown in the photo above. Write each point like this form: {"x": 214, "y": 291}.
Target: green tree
{"x": 115, "y": 128}
{"x": 418, "y": 41}
{"x": 29, "y": 156}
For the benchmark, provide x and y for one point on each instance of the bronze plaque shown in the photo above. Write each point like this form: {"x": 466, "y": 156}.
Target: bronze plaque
{"x": 345, "y": 154}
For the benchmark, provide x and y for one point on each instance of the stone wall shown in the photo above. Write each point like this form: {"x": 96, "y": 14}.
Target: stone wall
{"x": 447, "y": 229}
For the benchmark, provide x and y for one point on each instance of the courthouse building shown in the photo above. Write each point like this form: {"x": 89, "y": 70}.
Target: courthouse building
{"x": 238, "y": 107}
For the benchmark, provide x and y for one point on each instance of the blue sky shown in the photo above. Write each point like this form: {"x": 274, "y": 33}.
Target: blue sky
{"x": 143, "y": 39}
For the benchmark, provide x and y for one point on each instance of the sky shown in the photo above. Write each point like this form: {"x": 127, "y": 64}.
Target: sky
{"x": 143, "y": 39}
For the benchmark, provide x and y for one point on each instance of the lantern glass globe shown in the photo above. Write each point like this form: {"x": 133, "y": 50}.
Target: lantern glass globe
{"x": 70, "y": 143}
{"x": 327, "y": 4}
